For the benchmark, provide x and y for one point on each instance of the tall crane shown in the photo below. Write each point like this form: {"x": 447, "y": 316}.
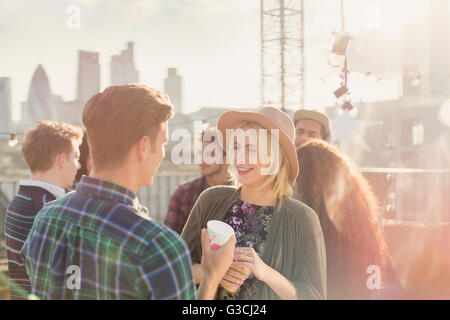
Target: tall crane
{"x": 282, "y": 54}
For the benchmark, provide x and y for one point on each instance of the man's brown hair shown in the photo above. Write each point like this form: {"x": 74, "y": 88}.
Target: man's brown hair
{"x": 46, "y": 140}
{"x": 118, "y": 117}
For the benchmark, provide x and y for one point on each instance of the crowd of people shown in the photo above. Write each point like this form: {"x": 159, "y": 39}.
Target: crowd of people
{"x": 309, "y": 230}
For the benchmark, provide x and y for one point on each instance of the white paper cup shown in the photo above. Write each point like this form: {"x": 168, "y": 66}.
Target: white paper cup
{"x": 219, "y": 233}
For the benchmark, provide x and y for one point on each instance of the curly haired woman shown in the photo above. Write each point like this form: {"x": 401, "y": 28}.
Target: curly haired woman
{"x": 333, "y": 186}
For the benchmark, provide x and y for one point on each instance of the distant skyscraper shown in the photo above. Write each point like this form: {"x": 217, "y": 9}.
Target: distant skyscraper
{"x": 88, "y": 75}
{"x": 173, "y": 87}
{"x": 40, "y": 103}
{"x": 426, "y": 53}
{"x": 5, "y": 104}
{"x": 439, "y": 47}
{"x": 122, "y": 67}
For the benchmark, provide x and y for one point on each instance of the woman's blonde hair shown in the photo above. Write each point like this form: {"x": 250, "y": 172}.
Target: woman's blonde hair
{"x": 279, "y": 179}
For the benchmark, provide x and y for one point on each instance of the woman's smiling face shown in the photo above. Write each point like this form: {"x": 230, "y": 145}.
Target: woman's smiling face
{"x": 247, "y": 160}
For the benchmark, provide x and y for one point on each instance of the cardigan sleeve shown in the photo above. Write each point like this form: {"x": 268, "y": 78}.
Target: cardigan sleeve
{"x": 192, "y": 231}
{"x": 311, "y": 280}
{"x": 210, "y": 205}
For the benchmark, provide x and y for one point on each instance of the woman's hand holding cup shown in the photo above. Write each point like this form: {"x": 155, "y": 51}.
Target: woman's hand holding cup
{"x": 235, "y": 276}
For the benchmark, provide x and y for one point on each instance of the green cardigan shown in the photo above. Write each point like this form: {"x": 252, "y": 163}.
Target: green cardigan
{"x": 295, "y": 245}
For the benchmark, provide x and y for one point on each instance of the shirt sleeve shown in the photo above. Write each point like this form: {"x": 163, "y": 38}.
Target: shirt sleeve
{"x": 166, "y": 273}
{"x": 176, "y": 218}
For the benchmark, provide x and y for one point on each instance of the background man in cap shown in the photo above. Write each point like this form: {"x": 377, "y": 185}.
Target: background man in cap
{"x": 311, "y": 124}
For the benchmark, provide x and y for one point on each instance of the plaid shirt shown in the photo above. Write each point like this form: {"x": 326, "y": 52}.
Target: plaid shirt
{"x": 101, "y": 236}
{"x": 182, "y": 202}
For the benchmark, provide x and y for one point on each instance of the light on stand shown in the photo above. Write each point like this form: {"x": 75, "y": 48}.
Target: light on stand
{"x": 12, "y": 142}
{"x": 339, "y": 49}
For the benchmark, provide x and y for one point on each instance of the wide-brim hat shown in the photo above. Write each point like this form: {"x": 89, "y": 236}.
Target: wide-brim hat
{"x": 269, "y": 118}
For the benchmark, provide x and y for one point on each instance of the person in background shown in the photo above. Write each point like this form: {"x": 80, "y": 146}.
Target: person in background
{"x": 331, "y": 184}
{"x": 51, "y": 150}
{"x": 85, "y": 160}
{"x": 185, "y": 196}
{"x": 279, "y": 239}
{"x": 97, "y": 242}
{"x": 311, "y": 124}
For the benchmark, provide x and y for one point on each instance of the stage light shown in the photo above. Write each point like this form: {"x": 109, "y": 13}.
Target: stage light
{"x": 348, "y": 106}
{"x": 341, "y": 42}
{"x": 416, "y": 81}
{"x": 12, "y": 142}
{"x": 341, "y": 91}
{"x": 339, "y": 49}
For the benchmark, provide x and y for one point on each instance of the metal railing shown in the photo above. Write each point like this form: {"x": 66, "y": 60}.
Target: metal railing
{"x": 404, "y": 194}
{"x": 156, "y": 197}
{"x": 412, "y": 194}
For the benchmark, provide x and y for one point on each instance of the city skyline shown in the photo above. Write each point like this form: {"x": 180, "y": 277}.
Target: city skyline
{"x": 174, "y": 34}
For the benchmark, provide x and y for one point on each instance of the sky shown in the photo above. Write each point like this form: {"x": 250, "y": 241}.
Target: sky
{"x": 214, "y": 43}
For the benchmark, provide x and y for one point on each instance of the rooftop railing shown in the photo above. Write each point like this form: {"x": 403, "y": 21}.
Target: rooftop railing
{"x": 404, "y": 194}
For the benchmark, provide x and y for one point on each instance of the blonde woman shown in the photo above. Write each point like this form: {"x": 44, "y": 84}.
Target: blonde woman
{"x": 278, "y": 239}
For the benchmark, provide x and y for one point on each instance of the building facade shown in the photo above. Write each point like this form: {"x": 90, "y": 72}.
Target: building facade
{"x": 123, "y": 70}
{"x": 88, "y": 75}
{"x": 40, "y": 103}
{"x": 5, "y": 104}
{"x": 173, "y": 86}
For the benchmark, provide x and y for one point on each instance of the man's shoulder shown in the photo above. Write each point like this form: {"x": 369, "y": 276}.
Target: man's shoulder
{"x": 190, "y": 188}
{"x": 21, "y": 200}
{"x": 38, "y": 192}
{"x": 110, "y": 220}
{"x": 196, "y": 183}
{"x": 56, "y": 205}
{"x": 29, "y": 200}
{"x": 163, "y": 237}
{"x": 30, "y": 193}
{"x": 151, "y": 238}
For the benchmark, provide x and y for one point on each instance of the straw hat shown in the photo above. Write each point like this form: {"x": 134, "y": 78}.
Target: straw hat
{"x": 269, "y": 118}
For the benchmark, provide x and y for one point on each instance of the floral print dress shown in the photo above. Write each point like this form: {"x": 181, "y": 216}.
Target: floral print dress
{"x": 251, "y": 225}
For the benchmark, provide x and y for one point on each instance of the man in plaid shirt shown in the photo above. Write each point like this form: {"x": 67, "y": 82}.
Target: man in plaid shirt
{"x": 99, "y": 242}
{"x": 213, "y": 174}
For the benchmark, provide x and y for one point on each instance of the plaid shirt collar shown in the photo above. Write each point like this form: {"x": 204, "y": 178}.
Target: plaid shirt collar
{"x": 110, "y": 191}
